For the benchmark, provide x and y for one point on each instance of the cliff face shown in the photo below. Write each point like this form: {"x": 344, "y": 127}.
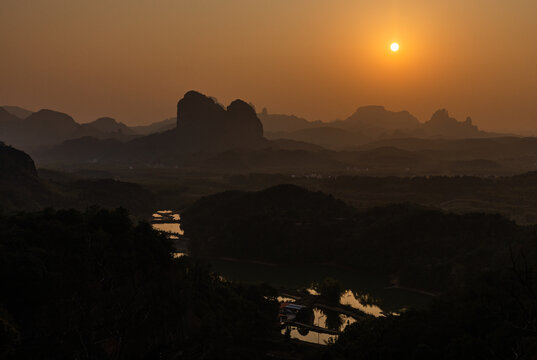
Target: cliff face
{"x": 205, "y": 125}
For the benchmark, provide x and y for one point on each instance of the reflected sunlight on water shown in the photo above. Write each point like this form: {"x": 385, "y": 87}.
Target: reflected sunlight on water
{"x": 350, "y": 298}
{"x": 167, "y": 221}
{"x": 312, "y": 291}
{"x": 320, "y": 319}
{"x": 174, "y": 228}
{"x": 285, "y": 299}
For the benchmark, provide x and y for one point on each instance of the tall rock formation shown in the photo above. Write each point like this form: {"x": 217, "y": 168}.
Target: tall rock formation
{"x": 442, "y": 125}
{"x": 203, "y": 125}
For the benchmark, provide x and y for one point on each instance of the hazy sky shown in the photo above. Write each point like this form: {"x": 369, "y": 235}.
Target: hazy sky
{"x": 321, "y": 59}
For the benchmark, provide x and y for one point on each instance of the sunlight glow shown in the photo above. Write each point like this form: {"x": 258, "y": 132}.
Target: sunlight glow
{"x": 394, "y": 47}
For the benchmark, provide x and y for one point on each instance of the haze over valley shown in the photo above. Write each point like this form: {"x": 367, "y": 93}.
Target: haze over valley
{"x": 268, "y": 180}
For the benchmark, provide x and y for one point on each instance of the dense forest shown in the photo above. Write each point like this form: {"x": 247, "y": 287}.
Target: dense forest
{"x": 491, "y": 317}
{"x": 481, "y": 266}
{"x": 101, "y": 284}
{"x": 94, "y": 285}
{"x": 411, "y": 246}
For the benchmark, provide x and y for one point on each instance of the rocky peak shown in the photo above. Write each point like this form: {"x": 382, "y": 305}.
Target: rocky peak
{"x": 441, "y": 117}
{"x": 110, "y": 125}
{"x": 378, "y": 116}
{"x": 204, "y": 125}
{"x": 441, "y": 124}
{"x": 195, "y": 109}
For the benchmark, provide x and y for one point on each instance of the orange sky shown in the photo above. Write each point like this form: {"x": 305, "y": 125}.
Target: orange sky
{"x": 313, "y": 58}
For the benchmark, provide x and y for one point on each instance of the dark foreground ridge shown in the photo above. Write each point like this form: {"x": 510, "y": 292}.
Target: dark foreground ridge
{"x": 94, "y": 285}
{"x": 288, "y": 224}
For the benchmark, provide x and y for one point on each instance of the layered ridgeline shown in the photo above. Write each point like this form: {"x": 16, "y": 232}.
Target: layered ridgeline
{"x": 94, "y": 285}
{"x": 367, "y": 124}
{"x": 409, "y": 245}
{"x": 203, "y": 126}
{"x": 22, "y": 187}
{"x": 29, "y": 130}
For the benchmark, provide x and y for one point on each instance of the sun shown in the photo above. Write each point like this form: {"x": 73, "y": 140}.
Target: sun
{"x": 394, "y": 47}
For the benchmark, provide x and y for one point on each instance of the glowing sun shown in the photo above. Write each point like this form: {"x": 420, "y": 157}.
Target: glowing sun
{"x": 394, "y": 47}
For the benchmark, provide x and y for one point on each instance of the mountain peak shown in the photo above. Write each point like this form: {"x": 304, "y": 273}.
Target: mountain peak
{"x": 110, "y": 125}
{"x": 241, "y": 106}
{"x": 50, "y": 117}
{"x": 441, "y": 124}
{"x": 378, "y": 116}
{"x": 17, "y": 111}
{"x": 441, "y": 116}
{"x": 106, "y": 120}
{"x": 203, "y": 124}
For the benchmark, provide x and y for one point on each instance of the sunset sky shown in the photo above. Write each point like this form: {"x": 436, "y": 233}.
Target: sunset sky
{"x": 319, "y": 59}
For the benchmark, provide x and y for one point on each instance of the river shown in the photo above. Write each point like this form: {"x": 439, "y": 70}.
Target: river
{"x": 368, "y": 293}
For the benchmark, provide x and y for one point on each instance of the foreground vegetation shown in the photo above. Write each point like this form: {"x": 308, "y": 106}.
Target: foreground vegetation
{"x": 494, "y": 317}
{"x": 94, "y": 285}
{"x": 408, "y": 245}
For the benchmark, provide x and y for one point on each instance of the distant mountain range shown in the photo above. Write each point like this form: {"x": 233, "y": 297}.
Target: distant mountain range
{"x": 210, "y": 137}
{"x": 202, "y": 127}
{"x": 367, "y": 124}
{"x": 30, "y": 130}
{"x": 156, "y": 127}
{"x": 22, "y": 187}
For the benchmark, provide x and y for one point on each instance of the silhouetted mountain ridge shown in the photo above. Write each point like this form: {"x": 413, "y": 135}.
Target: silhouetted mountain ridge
{"x": 204, "y": 125}
{"x": 48, "y": 127}
{"x": 155, "y": 127}
{"x": 374, "y": 117}
{"x": 109, "y": 125}
{"x": 19, "y": 112}
{"x": 370, "y": 123}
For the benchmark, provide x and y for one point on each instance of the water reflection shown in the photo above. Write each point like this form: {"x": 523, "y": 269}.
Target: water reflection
{"x": 312, "y": 291}
{"x": 167, "y": 221}
{"x": 173, "y": 228}
{"x": 364, "y": 303}
{"x": 321, "y": 318}
{"x": 285, "y": 299}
